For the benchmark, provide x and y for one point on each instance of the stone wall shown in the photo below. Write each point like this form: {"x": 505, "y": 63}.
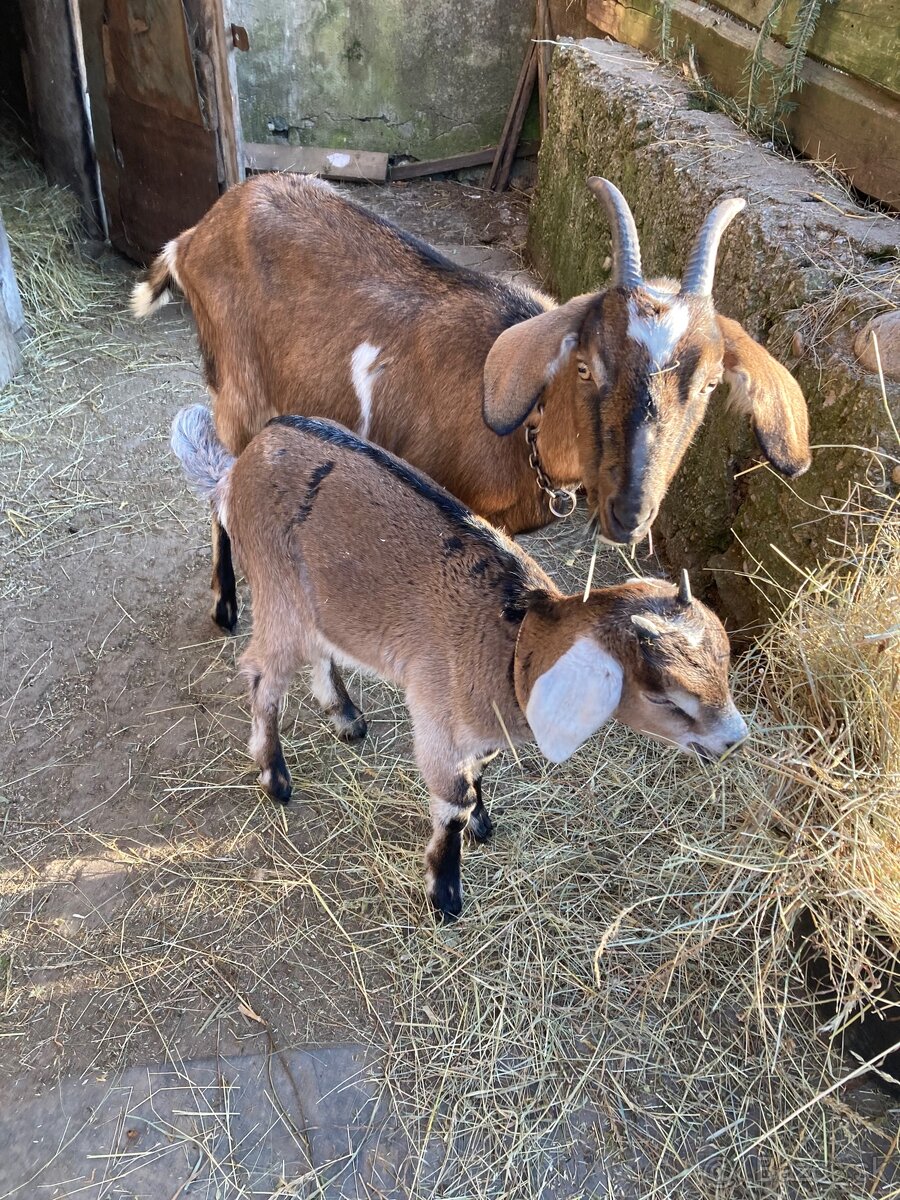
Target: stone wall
{"x": 800, "y": 268}
{"x": 424, "y": 77}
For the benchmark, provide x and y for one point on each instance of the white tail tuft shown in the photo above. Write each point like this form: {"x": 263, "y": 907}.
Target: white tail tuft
{"x": 143, "y": 301}
{"x": 156, "y": 290}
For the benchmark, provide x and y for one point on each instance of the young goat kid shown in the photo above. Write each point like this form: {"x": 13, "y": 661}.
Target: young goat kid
{"x": 307, "y": 303}
{"x": 355, "y": 559}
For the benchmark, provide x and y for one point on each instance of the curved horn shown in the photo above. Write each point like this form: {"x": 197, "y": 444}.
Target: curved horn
{"x": 684, "y": 589}
{"x": 701, "y": 265}
{"x": 625, "y": 246}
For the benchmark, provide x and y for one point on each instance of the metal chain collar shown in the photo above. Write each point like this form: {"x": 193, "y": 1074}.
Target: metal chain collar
{"x": 562, "y": 501}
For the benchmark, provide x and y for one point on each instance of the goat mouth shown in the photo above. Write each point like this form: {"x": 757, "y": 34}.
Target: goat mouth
{"x": 702, "y": 752}
{"x": 612, "y": 533}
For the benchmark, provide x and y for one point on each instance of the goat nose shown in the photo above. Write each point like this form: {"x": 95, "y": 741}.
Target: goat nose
{"x": 631, "y": 514}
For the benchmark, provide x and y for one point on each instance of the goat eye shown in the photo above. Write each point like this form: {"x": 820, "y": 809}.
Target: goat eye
{"x": 584, "y": 371}
{"x": 664, "y": 702}
{"x": 711, "y": 386}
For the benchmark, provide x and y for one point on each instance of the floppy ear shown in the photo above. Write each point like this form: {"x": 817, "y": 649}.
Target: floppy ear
{"x": 770, "y": 396}
{"x": 573, "y": 698}
{"x": 524, "y": 359}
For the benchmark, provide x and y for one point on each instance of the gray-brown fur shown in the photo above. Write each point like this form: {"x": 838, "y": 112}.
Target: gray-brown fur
{"x": 307, "y": 303}
{"x": 355, "y": 559}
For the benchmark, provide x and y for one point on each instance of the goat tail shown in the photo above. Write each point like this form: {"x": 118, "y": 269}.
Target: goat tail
{"x": 204, "y": 459}
{"x": 156, "y": 289}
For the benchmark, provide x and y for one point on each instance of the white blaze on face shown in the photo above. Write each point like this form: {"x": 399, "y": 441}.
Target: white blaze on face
{"x": 661, "y": 333}
{"x": 362, "y": 372}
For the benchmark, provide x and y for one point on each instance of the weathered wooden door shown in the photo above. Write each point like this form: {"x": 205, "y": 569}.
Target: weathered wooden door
{"x": 162, "y": 115}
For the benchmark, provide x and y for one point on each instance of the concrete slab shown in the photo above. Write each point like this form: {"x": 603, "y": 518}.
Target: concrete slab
{"x": 294, "y": 1124}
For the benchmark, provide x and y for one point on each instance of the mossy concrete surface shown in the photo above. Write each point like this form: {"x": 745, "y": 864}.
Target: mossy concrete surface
{"x": 793, "y": 268}
{"x": 422, "y": 77}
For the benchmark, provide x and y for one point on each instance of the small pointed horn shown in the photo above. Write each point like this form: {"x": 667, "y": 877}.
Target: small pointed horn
{"x": 684, "y": 589}
{"x": 701, "y": 265}
{"x": 625, "y": 246}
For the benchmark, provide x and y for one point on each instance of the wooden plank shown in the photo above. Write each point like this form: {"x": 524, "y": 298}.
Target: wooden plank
{"x": 152, "y": 57}
{"x": 219, "y": 48}
{"x": 156, "y": 148}
{"x": 312, "y": 160}
{"x": 457, "y": 162}
{"x": 167, "y": 183}
{"x": 861, "y": 39}
{"x": 56, "y": 101}
{"x": 10, "y": 354}
{"x": 12, "y": 318}
{"x": 506, "y": 150}
{"x": 543, "y": 62}
{"x": 10, "y": 300}
{"x": 837, "y": 117}
{"x": 525, "y": 80}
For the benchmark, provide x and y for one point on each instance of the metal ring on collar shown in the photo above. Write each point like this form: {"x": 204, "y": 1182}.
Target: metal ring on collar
{"x": 561, "y": 495}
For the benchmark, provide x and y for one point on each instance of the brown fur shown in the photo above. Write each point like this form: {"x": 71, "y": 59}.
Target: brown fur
{"x": 355, "y": 559}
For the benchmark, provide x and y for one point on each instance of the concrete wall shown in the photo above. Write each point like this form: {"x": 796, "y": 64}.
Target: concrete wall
{"x": 425, "y": 77}
{"x": 786, "y": 269}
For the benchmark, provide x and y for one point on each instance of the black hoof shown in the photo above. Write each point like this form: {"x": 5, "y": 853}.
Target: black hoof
{"x": 446, "y": 898}
{"x": 480, "y": 825}
{"x": 354, "y": 731}
{"x": 275, "y": 780}
{"x": 225, "y": 614}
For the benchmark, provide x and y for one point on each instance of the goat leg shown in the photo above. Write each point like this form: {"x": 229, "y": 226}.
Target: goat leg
{"x": 450, "y": 815}
{"x": 331, "y": 694}
{"x": 265, "y": 742}
{"x": 480, "y": 824}
{"x": 224, "y": 587}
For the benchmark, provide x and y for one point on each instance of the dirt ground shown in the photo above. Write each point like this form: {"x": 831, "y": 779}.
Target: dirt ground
{"x": 157, "y": 909}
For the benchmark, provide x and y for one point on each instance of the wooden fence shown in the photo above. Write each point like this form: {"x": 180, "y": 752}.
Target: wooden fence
{"x": 848, "y": 110}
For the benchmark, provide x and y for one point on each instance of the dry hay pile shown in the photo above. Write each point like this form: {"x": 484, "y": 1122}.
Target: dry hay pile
{"x": 61, "y": 291}
{"x": 832, "y": 678}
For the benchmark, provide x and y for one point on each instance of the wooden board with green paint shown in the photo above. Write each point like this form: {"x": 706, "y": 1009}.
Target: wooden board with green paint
{"x": 862, "y": 38}
{"x": 312, "y": 160}
{"x": 836, "y": 116}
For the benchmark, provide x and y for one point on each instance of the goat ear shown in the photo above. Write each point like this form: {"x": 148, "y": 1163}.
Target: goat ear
{"x": 524, "y": 359}
{"x": 770, "y": 396}
{"x": 573, "y": 698}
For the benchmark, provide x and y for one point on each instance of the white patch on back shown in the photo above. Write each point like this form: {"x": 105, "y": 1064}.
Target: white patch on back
{"x": 659, "y": 334}
{"x": 362, "y": 362}
{"x": 571, "y": 700}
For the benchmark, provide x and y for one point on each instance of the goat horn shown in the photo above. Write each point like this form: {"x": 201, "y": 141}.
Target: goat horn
{"x": 625, "y": 245}
{"x": 701, "y": 265}
{"x": 684, "y": 589}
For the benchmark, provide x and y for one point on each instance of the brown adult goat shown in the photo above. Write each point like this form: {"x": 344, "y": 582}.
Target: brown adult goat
{"x": 307, "y": 303}
{"x": 355, "y": 559}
